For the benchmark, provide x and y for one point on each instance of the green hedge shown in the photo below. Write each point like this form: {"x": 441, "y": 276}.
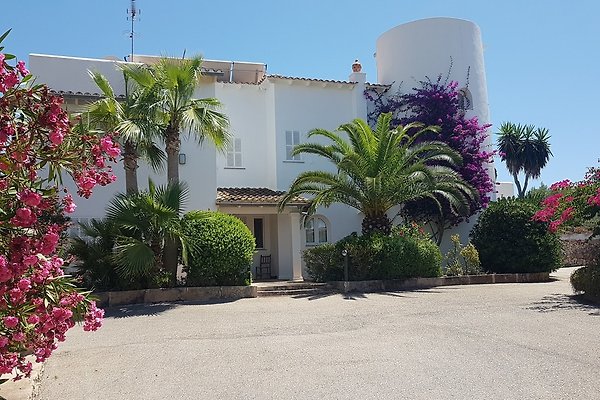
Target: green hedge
{"x": 586, "y": 281}
{"x": 509, "y": 241}
{"x": 221, "y": 251}
{"x": 375, "y": 257}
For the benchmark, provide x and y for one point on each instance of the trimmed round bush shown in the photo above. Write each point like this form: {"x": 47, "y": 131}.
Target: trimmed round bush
{"x": 375, "y": 256}
{"x": 509, "y": 241}
{"x": 221, "y": 249}
{"x": 586, "y": 281}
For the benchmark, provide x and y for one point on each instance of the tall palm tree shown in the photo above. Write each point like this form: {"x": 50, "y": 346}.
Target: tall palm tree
{"x": 169, "y": 87}
{"x": 148, "y": 221}
{"x": 135, "y": 125}
{"x": 377, "y": 170}
{"x": 524, "y": 148}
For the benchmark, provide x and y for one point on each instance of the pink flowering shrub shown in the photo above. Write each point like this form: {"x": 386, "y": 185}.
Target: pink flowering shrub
{"x": 573, "y": 203}
{"x": 38, "y": 303}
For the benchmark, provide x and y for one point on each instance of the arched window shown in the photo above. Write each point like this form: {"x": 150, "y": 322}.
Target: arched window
{"x": 465, "y": 100}
{"x": 315, "y": 229}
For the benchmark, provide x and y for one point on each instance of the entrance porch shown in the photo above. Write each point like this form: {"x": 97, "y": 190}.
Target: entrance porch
{"x": 277, "y": 233}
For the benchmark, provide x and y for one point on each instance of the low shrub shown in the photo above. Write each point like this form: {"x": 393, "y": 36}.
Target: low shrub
{"x": 376, "y": 256}
{"x": 509, "y": 241}
{"x": 586, "y": 281}
{"x": 221, "y": 249}
{"x": 462, "y": 260}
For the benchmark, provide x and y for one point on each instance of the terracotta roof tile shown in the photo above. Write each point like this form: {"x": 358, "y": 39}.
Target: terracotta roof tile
{"x": 295, "y": 78}
{"x": 249, "y": 195}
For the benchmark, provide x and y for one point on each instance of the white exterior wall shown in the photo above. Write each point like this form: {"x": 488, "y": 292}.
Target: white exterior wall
{"x": 260, "y": 114}
{"x": 410, "y": 52}
{"x": 249, "y": 110}
{"x": 303, "y": 107}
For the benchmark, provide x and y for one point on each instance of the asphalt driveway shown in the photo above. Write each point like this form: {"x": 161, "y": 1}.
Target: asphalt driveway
{"x": 503, "y": 341}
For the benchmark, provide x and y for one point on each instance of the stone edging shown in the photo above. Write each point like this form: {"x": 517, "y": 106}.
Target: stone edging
{"x": 209, "y": 293}
{"x": 424, "y": 283}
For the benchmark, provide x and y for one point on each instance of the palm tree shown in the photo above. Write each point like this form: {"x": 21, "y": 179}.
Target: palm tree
{"x": 148, "y": 221}
{"x": 524, "y": 148}
{"x": 169, "y": 87}
{"x": 135, "y": 125}
{"x": 377, "y": 170}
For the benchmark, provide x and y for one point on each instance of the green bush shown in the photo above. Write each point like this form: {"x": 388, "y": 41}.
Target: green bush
{"x": 509, "y": 241}
{"x": 586, "y": 281}
{"x": 221, "y": 250}
{"x": 375, "y": 256}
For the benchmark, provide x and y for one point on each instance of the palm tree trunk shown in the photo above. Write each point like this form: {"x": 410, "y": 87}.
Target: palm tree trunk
{"x": 172, "y": 147}
{"x": 130, "y": 164}
{"x": 518, "y": 184}
{"x": 376, "y": 223}
{"x": 171, "y": 257}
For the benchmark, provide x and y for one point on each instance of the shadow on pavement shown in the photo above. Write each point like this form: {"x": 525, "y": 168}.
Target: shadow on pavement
{"x": 560, "y": 301}
{"x": 148, "y": 310}
{"x": 137, "y": 310}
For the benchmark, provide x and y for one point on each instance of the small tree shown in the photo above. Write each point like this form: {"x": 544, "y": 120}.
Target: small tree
{"x": 38, "y": 303}
{"x": 526, "y": 149}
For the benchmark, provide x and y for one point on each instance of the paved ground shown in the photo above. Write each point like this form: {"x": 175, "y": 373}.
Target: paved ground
{"x": 507, "y": 341}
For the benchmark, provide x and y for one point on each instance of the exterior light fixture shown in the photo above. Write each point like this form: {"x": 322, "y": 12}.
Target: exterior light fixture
{"x": 182, "y": 158}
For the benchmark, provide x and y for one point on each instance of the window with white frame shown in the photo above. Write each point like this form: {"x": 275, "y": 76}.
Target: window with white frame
{"x": 234, "y": 153}
{"x": 292, "y": 138}
{"x": 465, "y": 100}
{"x": 315, "y": 229}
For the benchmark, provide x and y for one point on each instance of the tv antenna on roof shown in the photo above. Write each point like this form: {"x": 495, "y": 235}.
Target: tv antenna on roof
{"x": 132, "y": 14}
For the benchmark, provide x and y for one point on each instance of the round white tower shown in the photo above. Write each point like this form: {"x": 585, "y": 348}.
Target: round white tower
{"x": 412, "y": 51}
{"x": 427, "y": 48}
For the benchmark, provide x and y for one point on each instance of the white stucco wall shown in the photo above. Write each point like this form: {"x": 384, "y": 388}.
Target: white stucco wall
{"x": 260, "y": 114}
{"x": 427, "y": 48}
{"x": 248, "y": 109}
{"x": 70, "y": 73}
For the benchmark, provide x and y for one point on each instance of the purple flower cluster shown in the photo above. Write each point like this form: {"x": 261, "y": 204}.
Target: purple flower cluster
{"x": 437, "y": 102}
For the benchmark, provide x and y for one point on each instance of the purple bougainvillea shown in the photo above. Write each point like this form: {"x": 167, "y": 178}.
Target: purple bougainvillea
{"x": 438, "y": 102}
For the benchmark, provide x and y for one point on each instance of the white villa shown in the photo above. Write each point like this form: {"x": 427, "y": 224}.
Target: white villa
{"x": 271, "y": 113}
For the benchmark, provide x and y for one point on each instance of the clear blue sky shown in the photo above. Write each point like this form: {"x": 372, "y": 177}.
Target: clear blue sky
{"x": 542, "y": 56}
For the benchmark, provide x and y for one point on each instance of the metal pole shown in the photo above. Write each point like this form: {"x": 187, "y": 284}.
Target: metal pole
{"x": 346, "y": 262}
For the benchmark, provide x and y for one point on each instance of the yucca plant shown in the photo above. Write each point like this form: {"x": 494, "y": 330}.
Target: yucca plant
{"x": 526, "y": 149}
{"x": 379, "y": 169}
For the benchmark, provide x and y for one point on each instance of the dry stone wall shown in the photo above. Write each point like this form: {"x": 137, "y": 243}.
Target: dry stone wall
{"x": 578, "y": 250}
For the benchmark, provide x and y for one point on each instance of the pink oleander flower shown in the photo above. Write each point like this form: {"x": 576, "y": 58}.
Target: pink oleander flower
{"x": 93, "y": 319}
{"x": 24, "y": 217}
{"x": 56, "y": 137}
{"x": 109, "y": 147}
{"x": 21, "y": 68}
{"x": 68, "y": 204}
{"x": 10, "y": 322}
{"x": 30, "y": 198}
{"x": 24, "y": 284}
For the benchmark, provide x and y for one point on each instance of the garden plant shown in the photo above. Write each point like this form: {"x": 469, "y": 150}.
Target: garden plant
{"x": 379, "y": 169}
{"x": 576, "y": 203}
{"x": 439, "y": 102}
{"x": 510, "y": 240}
{"x": 38, "y": 302}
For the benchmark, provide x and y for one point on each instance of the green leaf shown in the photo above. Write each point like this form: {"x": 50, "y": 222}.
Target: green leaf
{"x": 4, "y": 35}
